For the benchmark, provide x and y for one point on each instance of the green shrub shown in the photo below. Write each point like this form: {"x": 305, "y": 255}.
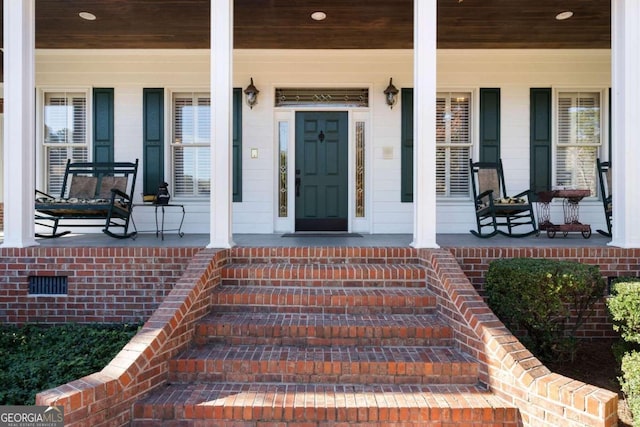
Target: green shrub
{"x": 35, "y": 358}
{"x": 630, "y": 382}
{"x": 544, "y": 302}
{"x": 624, "y": 306}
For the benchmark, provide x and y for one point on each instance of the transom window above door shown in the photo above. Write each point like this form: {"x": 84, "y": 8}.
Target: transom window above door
{"x": 308, "y": 97}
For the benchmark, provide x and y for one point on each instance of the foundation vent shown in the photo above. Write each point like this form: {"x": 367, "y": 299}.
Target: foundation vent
{"x": 48, "y": 285}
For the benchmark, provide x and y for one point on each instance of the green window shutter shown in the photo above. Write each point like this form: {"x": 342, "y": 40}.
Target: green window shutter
{"x": 540, "y": 139}
{"x": 103, "y": 124}
{"x": 406, "y": 145}
{"x": 489, "y": 124}
{"x": 153, "y": 139}
{"x": 237, "y": 145}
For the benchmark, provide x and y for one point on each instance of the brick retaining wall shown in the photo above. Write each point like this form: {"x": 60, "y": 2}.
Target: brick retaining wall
{"x": 544, "y": 398}
{"x": 106, "y": 397}
{"x": 121, "y": 285}
{"x": 613, "y": 262}
{"x": 105, "y": 285}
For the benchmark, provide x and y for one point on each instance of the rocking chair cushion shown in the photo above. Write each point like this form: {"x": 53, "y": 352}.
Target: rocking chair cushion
{"x": 510, "y": 201}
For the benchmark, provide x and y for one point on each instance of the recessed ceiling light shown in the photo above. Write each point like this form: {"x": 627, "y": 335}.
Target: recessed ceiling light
{"x": 564, "y": 15}
{"x": 318, "y": 16}
{"x": 87, "y": 15}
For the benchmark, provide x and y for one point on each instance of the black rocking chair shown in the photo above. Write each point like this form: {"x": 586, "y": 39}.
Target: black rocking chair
{"x": 604, "y": 175}
{"x": 494, "y": 208}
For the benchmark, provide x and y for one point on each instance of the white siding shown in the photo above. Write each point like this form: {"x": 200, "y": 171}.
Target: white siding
{"x": 512, "y": 71}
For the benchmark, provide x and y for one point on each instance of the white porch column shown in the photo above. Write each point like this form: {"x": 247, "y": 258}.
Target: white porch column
{"x": 221, "y": 120}
{"x": 19, "y": 123}
{"x": 625, "y": 159}
{"x": 424, "y": 124}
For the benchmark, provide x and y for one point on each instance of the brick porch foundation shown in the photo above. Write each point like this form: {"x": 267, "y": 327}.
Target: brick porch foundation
{"x": 156, "y": 356}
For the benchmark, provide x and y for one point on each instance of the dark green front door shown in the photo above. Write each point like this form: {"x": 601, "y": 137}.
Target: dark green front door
{"x": 321, "y": 171}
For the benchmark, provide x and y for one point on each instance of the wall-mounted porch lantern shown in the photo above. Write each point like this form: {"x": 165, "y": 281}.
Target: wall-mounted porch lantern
{"x": 252, "y": 94}
{"x": 391, "y": 94}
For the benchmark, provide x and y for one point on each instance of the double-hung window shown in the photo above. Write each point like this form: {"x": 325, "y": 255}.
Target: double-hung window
{"x": 578, "y": 139}
{"x": 65, "y": 134}
{"x": 453, "y": 144}
{"x": 190, "y": 145}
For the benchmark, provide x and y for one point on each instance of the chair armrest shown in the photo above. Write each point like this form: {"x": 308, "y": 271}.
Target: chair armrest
{"x": 117, "y": 193}
{"x": 42, "y": 193}
{"x": 485, "y": 194}
{"x": 524, "y": 193}
{"x": 480, "y": 204}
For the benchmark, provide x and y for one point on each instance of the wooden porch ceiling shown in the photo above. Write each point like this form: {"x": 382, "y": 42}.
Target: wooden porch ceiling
{"x": 350, "y": 24}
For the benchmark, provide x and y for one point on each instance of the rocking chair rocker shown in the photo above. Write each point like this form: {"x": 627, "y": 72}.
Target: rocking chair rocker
{"x": 604, "y": 174}
{"x": 494, "y": 208}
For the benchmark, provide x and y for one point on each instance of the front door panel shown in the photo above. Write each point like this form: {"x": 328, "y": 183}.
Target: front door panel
{"x": 321, "y": 171}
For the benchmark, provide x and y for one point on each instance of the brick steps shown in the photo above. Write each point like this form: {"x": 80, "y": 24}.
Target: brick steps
{"x": 322, "y": 405}
{"x": 269, "y": 299}
{"x": 322, "y": 329}
{"x": 335, "y": 365}
{"x": 326, "y": 275}
{"x": 304, "y": 338}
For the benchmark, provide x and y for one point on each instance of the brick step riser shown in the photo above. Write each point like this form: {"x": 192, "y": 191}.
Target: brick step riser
{"x": 340, "y": 373}
{"x": 291, "y": 302}
{"x": 329, "y": 335}
{"x": 326, "y": 283}
{"x": 324, "y": 255}
{"x": 319, "y": 260}
{"x": 330, "y": 342}
{"x": 232, "y": 423}
{"x": 247, "y": 416}
{"x": 293, "y": 309}
{"x": 226, "y": 296}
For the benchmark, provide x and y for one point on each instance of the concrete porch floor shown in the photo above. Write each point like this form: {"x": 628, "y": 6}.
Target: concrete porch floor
{"x": 171, "y": 239}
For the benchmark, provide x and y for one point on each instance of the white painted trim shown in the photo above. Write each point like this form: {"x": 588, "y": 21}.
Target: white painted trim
{"x": 424, "y": 99}
{"x": 19, "y": 83}
{"x": 625, "y": 38}
{"x": 221, "y": 119}
{"x": 284, "y": 224}
{"x": 362, "y": 224}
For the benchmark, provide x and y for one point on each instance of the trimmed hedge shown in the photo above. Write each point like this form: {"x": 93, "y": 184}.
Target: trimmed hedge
{"x": 544, "y": 302}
